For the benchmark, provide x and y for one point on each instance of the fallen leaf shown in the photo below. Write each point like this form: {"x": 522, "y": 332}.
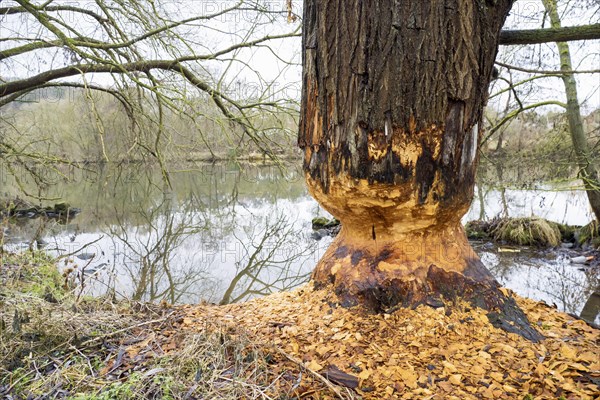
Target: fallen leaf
{"x": 455, "y": 379}
{"x": 314, "y": 366}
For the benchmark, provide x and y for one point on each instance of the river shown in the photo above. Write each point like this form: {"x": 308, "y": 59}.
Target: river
{"x": 225, "y": 232}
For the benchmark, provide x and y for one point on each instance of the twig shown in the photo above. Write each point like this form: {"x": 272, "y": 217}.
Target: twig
{"x": 314, "y": 373}
{"x": 25, "y": 375}
{"x": 246, "y": 384}
{"x": 126, "y": 329}
{"x": 82, "y": 280}
{"x": 535, "y": 71}
{"x": 87, "y": 359}
{"x": 79, "y": 249}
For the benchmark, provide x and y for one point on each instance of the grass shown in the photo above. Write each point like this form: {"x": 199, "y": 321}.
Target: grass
{"x": 42, "y": 326}
{"x": 590, "y": 234}
{"x": 56, "y": 345}
{"x": 532, "y": 231}
{"x": 478, "y": 229}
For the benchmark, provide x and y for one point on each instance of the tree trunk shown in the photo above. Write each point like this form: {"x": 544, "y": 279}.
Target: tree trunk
{"x": 587, "y": 170}
{"x": 591, "y": 308}
{"x": 392, "y": 103}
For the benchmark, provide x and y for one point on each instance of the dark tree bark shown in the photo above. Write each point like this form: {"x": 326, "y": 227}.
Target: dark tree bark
{"x": 391, "y": 114}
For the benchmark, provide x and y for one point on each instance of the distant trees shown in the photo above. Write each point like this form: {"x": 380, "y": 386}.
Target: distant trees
{"x": 528, "y": 82}
{"x": 153, "y": 59}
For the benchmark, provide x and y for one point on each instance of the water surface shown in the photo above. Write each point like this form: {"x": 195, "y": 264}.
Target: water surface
{"x": 225, "y": 233}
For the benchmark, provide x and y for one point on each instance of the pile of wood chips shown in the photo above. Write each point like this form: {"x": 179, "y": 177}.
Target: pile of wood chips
{"x": 424, "y": 353}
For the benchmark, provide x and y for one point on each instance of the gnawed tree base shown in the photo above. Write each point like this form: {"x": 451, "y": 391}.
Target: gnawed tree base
{"x": 390, "y": 278}
{"x": 396, "y": 254}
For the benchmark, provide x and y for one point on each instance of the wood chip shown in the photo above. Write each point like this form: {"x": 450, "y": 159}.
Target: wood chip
{"x": 413, "y": 354}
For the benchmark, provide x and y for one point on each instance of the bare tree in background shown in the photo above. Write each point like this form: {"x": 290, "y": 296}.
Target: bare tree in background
{"x": 153, "y": 58}
{"x": 588, "y": 170}
{"x": 527, "y": 82}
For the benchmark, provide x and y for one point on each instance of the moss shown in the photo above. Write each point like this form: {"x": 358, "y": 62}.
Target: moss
{"x": 527, "y": 231}
{"x": 34, "y": 273}
{"x": 588, "y": 233}
{"x": 478, "y": 229}
{"x": 61, "y": 207}
{"x": 116, "y": 390}
{"x": 324, "y": 223}
{"x": 567, "y": 232}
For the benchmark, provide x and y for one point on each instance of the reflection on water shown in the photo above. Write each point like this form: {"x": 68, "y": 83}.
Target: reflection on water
{"x": 543, "y": 276}
{"x": 221, "y": 233}
{"x": 558, "y": 203}
{"x": 225, "y": 233}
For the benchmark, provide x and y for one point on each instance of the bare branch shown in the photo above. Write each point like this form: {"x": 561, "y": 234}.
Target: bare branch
{"x": 564, "y": 34}
{"x": 21, "y": 10}
{"x": 542, "y": 72}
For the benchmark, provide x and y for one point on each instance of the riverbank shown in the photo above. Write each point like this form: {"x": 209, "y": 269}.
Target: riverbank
{"x": 298, "y": 344}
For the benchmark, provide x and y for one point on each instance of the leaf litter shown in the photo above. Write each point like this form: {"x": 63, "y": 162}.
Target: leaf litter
{"x": 325, "y": 351}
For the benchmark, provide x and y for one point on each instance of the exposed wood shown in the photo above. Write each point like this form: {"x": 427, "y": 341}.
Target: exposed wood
{"x": 421, "y": 353}
{"x": 546, "y": 35}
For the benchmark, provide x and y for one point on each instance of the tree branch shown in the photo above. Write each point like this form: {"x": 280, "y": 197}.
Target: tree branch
{"x": 518, "y": 111}
{"x": 542, "y": 72}
{"x": 20, "y": 10}
{"x": 564, "y": 34}
{"x": 71, "y": 70}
